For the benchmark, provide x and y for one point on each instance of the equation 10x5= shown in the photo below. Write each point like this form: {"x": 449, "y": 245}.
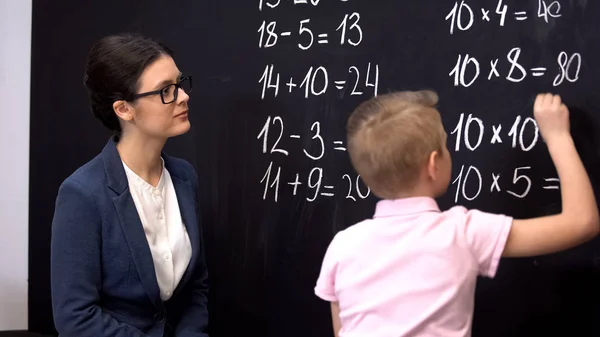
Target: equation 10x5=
{"x": 462, "y": 15}
{"x": 520, "y": 183}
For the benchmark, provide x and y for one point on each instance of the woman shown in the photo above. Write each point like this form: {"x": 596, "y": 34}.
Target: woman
{"x": 127, "y": 250}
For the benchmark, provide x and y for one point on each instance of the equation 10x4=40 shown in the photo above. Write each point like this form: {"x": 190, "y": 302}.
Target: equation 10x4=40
{"x": 462, "y": 15}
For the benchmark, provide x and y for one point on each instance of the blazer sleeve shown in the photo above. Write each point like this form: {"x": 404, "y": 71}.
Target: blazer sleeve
{"x": 75, "y": 267}
{"x": 194, "y": 320}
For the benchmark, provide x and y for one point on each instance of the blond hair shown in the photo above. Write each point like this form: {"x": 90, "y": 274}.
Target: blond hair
{"x": 390, "y": 138}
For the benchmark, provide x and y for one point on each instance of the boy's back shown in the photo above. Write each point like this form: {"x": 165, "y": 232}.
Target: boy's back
{"x": 411, "y": 270}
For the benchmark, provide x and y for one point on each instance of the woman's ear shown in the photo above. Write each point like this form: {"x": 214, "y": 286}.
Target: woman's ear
{"x": 123, "y": 110}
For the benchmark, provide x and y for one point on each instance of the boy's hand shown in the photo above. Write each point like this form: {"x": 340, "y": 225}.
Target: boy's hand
{"x": 552, "y": 116}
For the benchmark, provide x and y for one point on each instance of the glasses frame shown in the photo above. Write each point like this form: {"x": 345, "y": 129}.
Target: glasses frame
{"x": 160, "y": 91}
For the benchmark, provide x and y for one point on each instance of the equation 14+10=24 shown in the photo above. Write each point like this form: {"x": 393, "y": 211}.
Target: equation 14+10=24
{"x": 462, "y": 15}
{"x": 317, "y": 81}
{"x": 315, "y": 185}
{"x": 316, "y": 137}
{"x": 275, "y": 3}
{"x": 349, "y": 31}
{"x": 468, "y": 69}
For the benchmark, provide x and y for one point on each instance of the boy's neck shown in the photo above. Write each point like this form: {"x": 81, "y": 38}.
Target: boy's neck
{"x": 420, "y": 190}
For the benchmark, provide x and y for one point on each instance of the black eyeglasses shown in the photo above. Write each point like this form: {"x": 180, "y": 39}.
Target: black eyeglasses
{"x": 169, "y": 93}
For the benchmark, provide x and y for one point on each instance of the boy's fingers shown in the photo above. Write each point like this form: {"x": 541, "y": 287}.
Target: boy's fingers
{"x": 543, "y": 100}
{"x": 548, "y": 100}
{"x": 538, "y": 101}
{"x": 564, "y": 107}
{"x": 556, "y": 101}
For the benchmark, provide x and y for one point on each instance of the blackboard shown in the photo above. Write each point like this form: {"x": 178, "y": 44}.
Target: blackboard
{"x": 274, "y": 82}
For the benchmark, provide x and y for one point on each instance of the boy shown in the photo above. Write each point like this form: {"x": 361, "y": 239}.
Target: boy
{"x": 411, "y": 269}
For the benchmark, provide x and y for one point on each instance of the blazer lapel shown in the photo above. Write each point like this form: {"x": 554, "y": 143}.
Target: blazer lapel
{"x": 138, "y": 244}
{"x": 130, "y": 221}
{"x": 187, "y": 206}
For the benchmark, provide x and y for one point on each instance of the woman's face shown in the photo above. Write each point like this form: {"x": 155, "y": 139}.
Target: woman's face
{"x": 151, "y": 117}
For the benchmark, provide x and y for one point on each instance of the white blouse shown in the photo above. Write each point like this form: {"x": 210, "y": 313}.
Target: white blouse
{"x": 166, "y": 234}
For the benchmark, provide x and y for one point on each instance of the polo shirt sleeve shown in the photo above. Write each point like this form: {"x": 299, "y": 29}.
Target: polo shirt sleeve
{"x": 486, "y": 235}
{"x": 325, "y": 287}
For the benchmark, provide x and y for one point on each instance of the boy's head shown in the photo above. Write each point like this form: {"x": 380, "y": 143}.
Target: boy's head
{"x": 397, "y": 144}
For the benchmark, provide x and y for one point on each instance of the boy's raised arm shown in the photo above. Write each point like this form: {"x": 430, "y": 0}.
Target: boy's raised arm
{"x": 578, "y": 221}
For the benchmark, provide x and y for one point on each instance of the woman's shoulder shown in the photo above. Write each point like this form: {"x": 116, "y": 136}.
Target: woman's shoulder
{"x": 90, "y": 175}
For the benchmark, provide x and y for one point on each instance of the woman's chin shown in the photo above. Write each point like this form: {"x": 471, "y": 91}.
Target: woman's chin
{"x": 181, "y": 128}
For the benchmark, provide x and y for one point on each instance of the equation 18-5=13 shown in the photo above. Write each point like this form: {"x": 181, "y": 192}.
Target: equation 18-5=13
{"x": 349, "y": 31}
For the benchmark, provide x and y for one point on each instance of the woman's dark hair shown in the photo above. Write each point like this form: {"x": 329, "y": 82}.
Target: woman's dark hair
{"x": 113, "y": 69}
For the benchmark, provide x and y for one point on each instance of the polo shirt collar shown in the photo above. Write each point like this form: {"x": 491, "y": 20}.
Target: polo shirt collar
{"x": 405, "y": 206}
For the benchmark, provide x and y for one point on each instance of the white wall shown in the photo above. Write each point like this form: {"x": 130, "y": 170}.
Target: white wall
{"x": 15, "y": 55}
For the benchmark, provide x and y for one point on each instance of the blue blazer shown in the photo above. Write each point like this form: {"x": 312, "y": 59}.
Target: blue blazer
{"x": 103, "y": 281}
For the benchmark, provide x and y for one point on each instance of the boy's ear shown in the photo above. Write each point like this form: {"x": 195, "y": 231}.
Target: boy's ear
{"x": 123, "y": 109}
{"x": 433, "y": 165}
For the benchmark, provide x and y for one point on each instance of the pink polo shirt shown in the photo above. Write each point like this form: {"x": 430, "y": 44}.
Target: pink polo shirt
{"x": 412, "y": 269}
